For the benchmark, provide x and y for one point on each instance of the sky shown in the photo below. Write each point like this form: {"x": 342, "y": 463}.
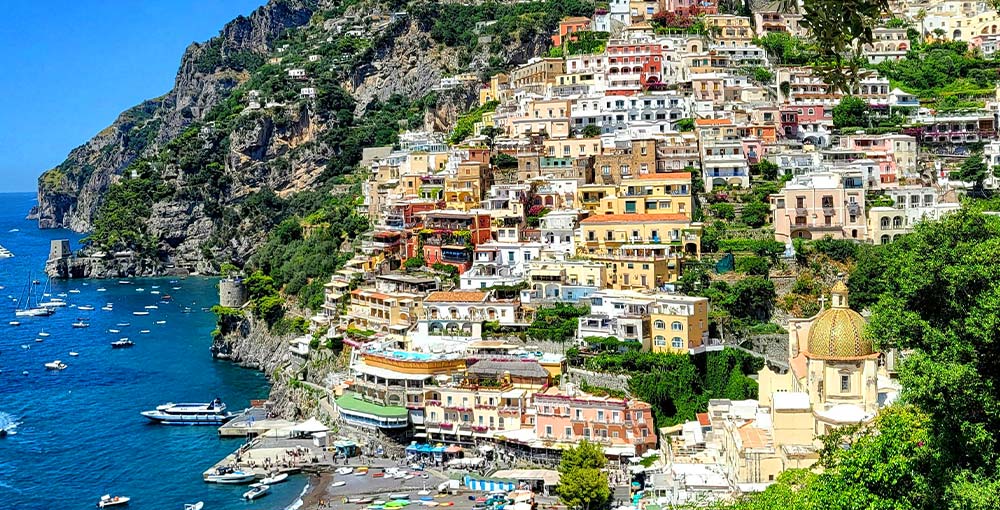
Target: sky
{"x": 74, "y": 65}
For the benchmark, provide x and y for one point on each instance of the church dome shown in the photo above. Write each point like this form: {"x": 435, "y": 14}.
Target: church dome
{"x": 839, "y": 331}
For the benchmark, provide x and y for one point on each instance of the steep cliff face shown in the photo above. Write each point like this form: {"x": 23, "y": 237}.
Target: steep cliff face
{"x": 69, "y": 194}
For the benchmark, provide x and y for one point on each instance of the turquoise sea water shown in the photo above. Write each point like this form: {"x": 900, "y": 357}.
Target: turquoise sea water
{"x": 80, "y": 434}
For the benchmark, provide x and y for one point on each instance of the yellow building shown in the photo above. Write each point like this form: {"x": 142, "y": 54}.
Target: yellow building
{"x": 641, "y": 251}
{"x": 572, "y": 147}
{"x": 590, "y": 196}
{"x": 381, "y": 312}
{"x": 678, "y": 324}
{"x": 666, "y": 193}
{"x": 495, "y": 90}
{"x": 729, "y": 30}
{"x": 464, "y": 191}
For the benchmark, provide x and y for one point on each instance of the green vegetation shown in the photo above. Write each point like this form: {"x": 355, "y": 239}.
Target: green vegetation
{"x": 943, "y": 70}
{"x": 556, "y": 323}
{"x": 454, "y": 24}
{"x": 120, "y": 223}
{"x": 466, "y": 123}
{"x": 841, "y": 29}
{"x": 685, "y": 125}
{"x": 582, "y": 483}
{"x": 973, "y": 169}
{"x": 786, "y": 49}
{"x": 587, "y": 42}
{"x": 680, "y": 385}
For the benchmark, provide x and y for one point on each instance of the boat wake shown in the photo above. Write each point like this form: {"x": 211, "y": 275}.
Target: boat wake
{"x": 7, "y": 424}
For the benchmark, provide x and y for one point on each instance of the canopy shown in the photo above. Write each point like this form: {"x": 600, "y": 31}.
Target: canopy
{"x": 453, "y": 449}
{"x": 310, "y": 426}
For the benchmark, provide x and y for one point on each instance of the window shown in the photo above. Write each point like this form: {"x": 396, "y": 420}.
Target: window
{"x": 579, "y": 414}
{"x": 548, "y": 430}
{"x": 606, "y": 169}
{"x": 600, "y": 416}
{"x": 658, "y": 324}
{"x": 568, "y": 432}
{"x": 659, "y": 340}
{"x": 677, "y": 342}
{"x": 677, "y": 326}
{"x": 845, "y": 383}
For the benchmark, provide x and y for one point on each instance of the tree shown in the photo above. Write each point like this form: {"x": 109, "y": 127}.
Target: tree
{"x": 752, "y": 298}
{"x": 685, "y": 125}
{"x": 841, "y": 30}
{"x": 723, "y": 211}
{"x": 973, "y": 169}
{"x": 591, "y": 130}
{"x": 585, "y": 455}
{"x": 767, "y": 169}
{"x": 584, "y": 489}
{"x": 852, "y": 111}
{"x": 755, "y": 214}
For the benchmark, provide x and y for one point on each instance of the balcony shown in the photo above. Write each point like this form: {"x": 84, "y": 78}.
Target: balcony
{"x": 801, "y": 211}
{"x": 828, "y": 211}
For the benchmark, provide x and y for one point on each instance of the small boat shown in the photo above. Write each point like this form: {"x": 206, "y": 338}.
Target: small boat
{"x": 114, "y": 331}
{"x": 24, "y": 373}
{"x": 361, "y": 501}
{"x": 166, "y": 297}
{"x": 339, "y": 483}
{"x": 43, "y": 334}
{"x": 399, "y": 496}
{"x": 14, "y": 323}
{"x": 144, "y": 331}
{"x": 52, "y": 303}
{"x": 74, "y": 291}
{"x": 154, "y": 286}
{"x": 194, "y": 506}
{"x": 140, "y": 313}
{"x": 123, "y": 324}
{"x": 344, "y": 470}
{"x": 81, "y": 324}
{"x": 74, "y": 354}
{"x": 14, "y": 230}
{"x": 151, "y": 307}
{"x": 55, "y": 365}
{"x": 175, "y": 288}
{"x": 257, "y": 490}
{"x": 101, "y": 289}
{"x": 124, "y": 282}
{"x": 276, "y": 479}
{"x": 161, "y": 322}
{"x": 231, "y": 478}
{"x": 108, "y": 500}
{"x": 107, "y": 309}
{"x": 25, "y": 346}
{"x": 86, "y": 308}
{"x": 36, "y": 282}
{"x": 61, "y": 294}
{"x": 39, "y": 340}
{"x": 154, "y": 292}
{"x": 140, "y": 289}
{"x": 121, "y": 344}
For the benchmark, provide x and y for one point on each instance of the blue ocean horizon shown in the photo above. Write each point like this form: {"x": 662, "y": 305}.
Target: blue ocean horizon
{"x": 79, "y": 432}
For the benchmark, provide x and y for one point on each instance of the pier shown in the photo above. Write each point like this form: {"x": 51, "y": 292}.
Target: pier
{"x": 252, "y": 422}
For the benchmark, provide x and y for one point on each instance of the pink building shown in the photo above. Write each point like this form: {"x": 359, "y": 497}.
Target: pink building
{"x": 633, "y": 66}
{"x": 807, "y": 122}
{"x": 820, "y": 204}
{"x": 616, "y": 424}
{"x": 690, "y": 7}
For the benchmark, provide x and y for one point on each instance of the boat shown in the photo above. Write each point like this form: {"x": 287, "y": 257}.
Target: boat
{"x": 154, "y": 292}
{"x": 144, "y": 331}
{"x": 124, "y": 282}
{"x": 364, "y": 500}
{"x": 212, "y": 413}
{"x": 140, "y": 313}
{"x": 107, "y": 309}
{"x": 101, "y": 289}
{"x": 74, "y": 354}
{"x": 114, "y": 331}
{"x": 74, "y": 291}
{"x": 81, "y": 324}
{"x": 339, "y": 483}
{"x": 344, "y": 470}
{"x": 25, "y": 346}
{"x": 123, "y": 324}
{"x": 166, "y": 297}
{"x": 86, "y": 308}
{"x": 257, "y": 490}
{"x": 154, "y": 286}
{"x": 161, "y": 322}
{"x": 231, "y": 477}
{"x": 52, "y": 303}
{"x": 39, "y": 340}
{"x": 140, "y": 289}
{"x": 194, "y": 506}
{"x": 108, "y": 500}
{"x": 5, "y": 253}
{"x": 121, "y": 344}
{"x": 43, "y": 334}
{"x": 14, "y": 323}
{"x": 276, "y": 479}
{"x": 55, "y": 365}
{"x": 27, "y": 307}
{"x": 151, "y": 307}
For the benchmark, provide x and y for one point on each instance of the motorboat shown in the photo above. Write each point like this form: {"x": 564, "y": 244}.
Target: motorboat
{"x": 39, "y": 340}
{"x": 231, "y": 477}
{"x": 276, "y": 479}
{"x": 212, "y": 413}
{"x": 108, "y": 500}
{"x": 81, "y": 324}
{"x": 257, "y": 490}
{"x": 154, "y": 286}
{"x": 52, "y": 303}
{"x": 121, "y": 344}
{"x": 102, "y": 289}
{"x": 344, "y": 470}
{"x": 124, "y": 282}
{"x": 85, "y": 308}
{"x": 14, "y": 323}
{"x": 144, "y": 331}
{"x": 140, "y": 289}
{"x": 5, "y": 253}
{"x": 74, "y": 291}
{"x": 140, "y": 313}
{"x": 74, "y": 353}
{"x": 107, "y": 309}
{"x": 34, "y": 312}
{"x": 151, "y": 307}
{"x": 114, "y": 331}
{"x": 194, "y": 506}
{"x": 161, "y": 322}
{"x": 123, "y": 324}
{"x": 55, "y": 365}
{"x": 155, "y": 292}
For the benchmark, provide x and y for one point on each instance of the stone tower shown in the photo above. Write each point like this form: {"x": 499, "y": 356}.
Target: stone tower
{"x": 59, "y": 249}
{"x": 232, "y": 292}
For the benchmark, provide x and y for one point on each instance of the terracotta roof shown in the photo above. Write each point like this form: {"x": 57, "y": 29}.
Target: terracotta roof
{"x": 467, "y": 296}
{"x": 633, "y": 218}
{"x": 712, "y": 122}
{"x": 753, "y": 437}
{"x": 668, "y": 175}
{"x": 703, "y": 420}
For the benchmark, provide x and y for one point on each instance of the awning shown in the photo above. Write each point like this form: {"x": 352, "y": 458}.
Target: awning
{"x": 453, "y": 449}
{"x": 310, "y": 426}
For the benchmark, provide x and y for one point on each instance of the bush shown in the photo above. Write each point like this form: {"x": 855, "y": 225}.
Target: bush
{"x": 723, "y": 211}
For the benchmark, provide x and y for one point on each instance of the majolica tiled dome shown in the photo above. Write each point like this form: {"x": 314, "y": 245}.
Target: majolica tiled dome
{"x": 838, "y": 332}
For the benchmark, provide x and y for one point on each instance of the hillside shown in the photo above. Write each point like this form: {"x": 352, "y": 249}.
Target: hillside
{"x": 280, "y": 103}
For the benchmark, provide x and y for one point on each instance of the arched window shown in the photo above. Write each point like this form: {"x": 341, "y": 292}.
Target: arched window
{"x": 885, "y": 239}
{"x": 677, "y": 343}
{"x": 658, "y": 324}
{"x": 677, "y": 326}
{"x": 884, "y": 222}
{"x": 897, "y": 222}
{"x": 659, "y": 340}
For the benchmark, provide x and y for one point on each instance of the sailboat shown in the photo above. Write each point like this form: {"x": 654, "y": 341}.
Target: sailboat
{"x": 27, "y": 307}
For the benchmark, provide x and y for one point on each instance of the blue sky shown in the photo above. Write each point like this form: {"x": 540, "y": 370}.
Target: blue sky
{"x": 72, "y": 66}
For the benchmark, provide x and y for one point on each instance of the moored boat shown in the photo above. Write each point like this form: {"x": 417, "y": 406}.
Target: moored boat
{"x": 140, "y": 313}
{"x": 108, "y": 500}
{"x": 55, "y": 365}
{"x": 276, "y": 479}
{"x": 257, "y": 490}
{"x": 212, "y": 413}
{"x": 230, "y": 477}
{"x": 121, "y": 344}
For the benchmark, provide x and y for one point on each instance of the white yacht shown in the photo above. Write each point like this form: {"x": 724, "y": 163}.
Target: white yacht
{"x": 55, "y": 365}
{"x": 108, "y": 500}
{"x": 228, "y": 476}
{"x": 85, "y": 308}
{"x": 212, "y": 413}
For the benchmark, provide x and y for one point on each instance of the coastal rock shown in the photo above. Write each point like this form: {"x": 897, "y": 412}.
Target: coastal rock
{"x": 107, "y": 267}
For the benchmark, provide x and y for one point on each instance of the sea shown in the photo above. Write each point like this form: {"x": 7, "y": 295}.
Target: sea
{"x": 76, "y": 434}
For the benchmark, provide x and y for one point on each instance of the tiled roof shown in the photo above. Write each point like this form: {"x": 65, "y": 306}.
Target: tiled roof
{"x": 633, "y": 218}
{"x": 754, "y": 437}
{"x": 465, "y": 296}
{"x": 703, "y": 419}
{"x": 712, "y": 122}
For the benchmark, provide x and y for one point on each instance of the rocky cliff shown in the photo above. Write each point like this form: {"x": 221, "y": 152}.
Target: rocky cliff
{"x": 69, "y": 194}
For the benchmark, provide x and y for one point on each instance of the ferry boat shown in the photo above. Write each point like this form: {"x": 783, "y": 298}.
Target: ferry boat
{"x": 212, "y": 413}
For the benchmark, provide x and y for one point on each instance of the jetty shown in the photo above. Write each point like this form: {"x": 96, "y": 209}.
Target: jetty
{"x": 252, "y": 422}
